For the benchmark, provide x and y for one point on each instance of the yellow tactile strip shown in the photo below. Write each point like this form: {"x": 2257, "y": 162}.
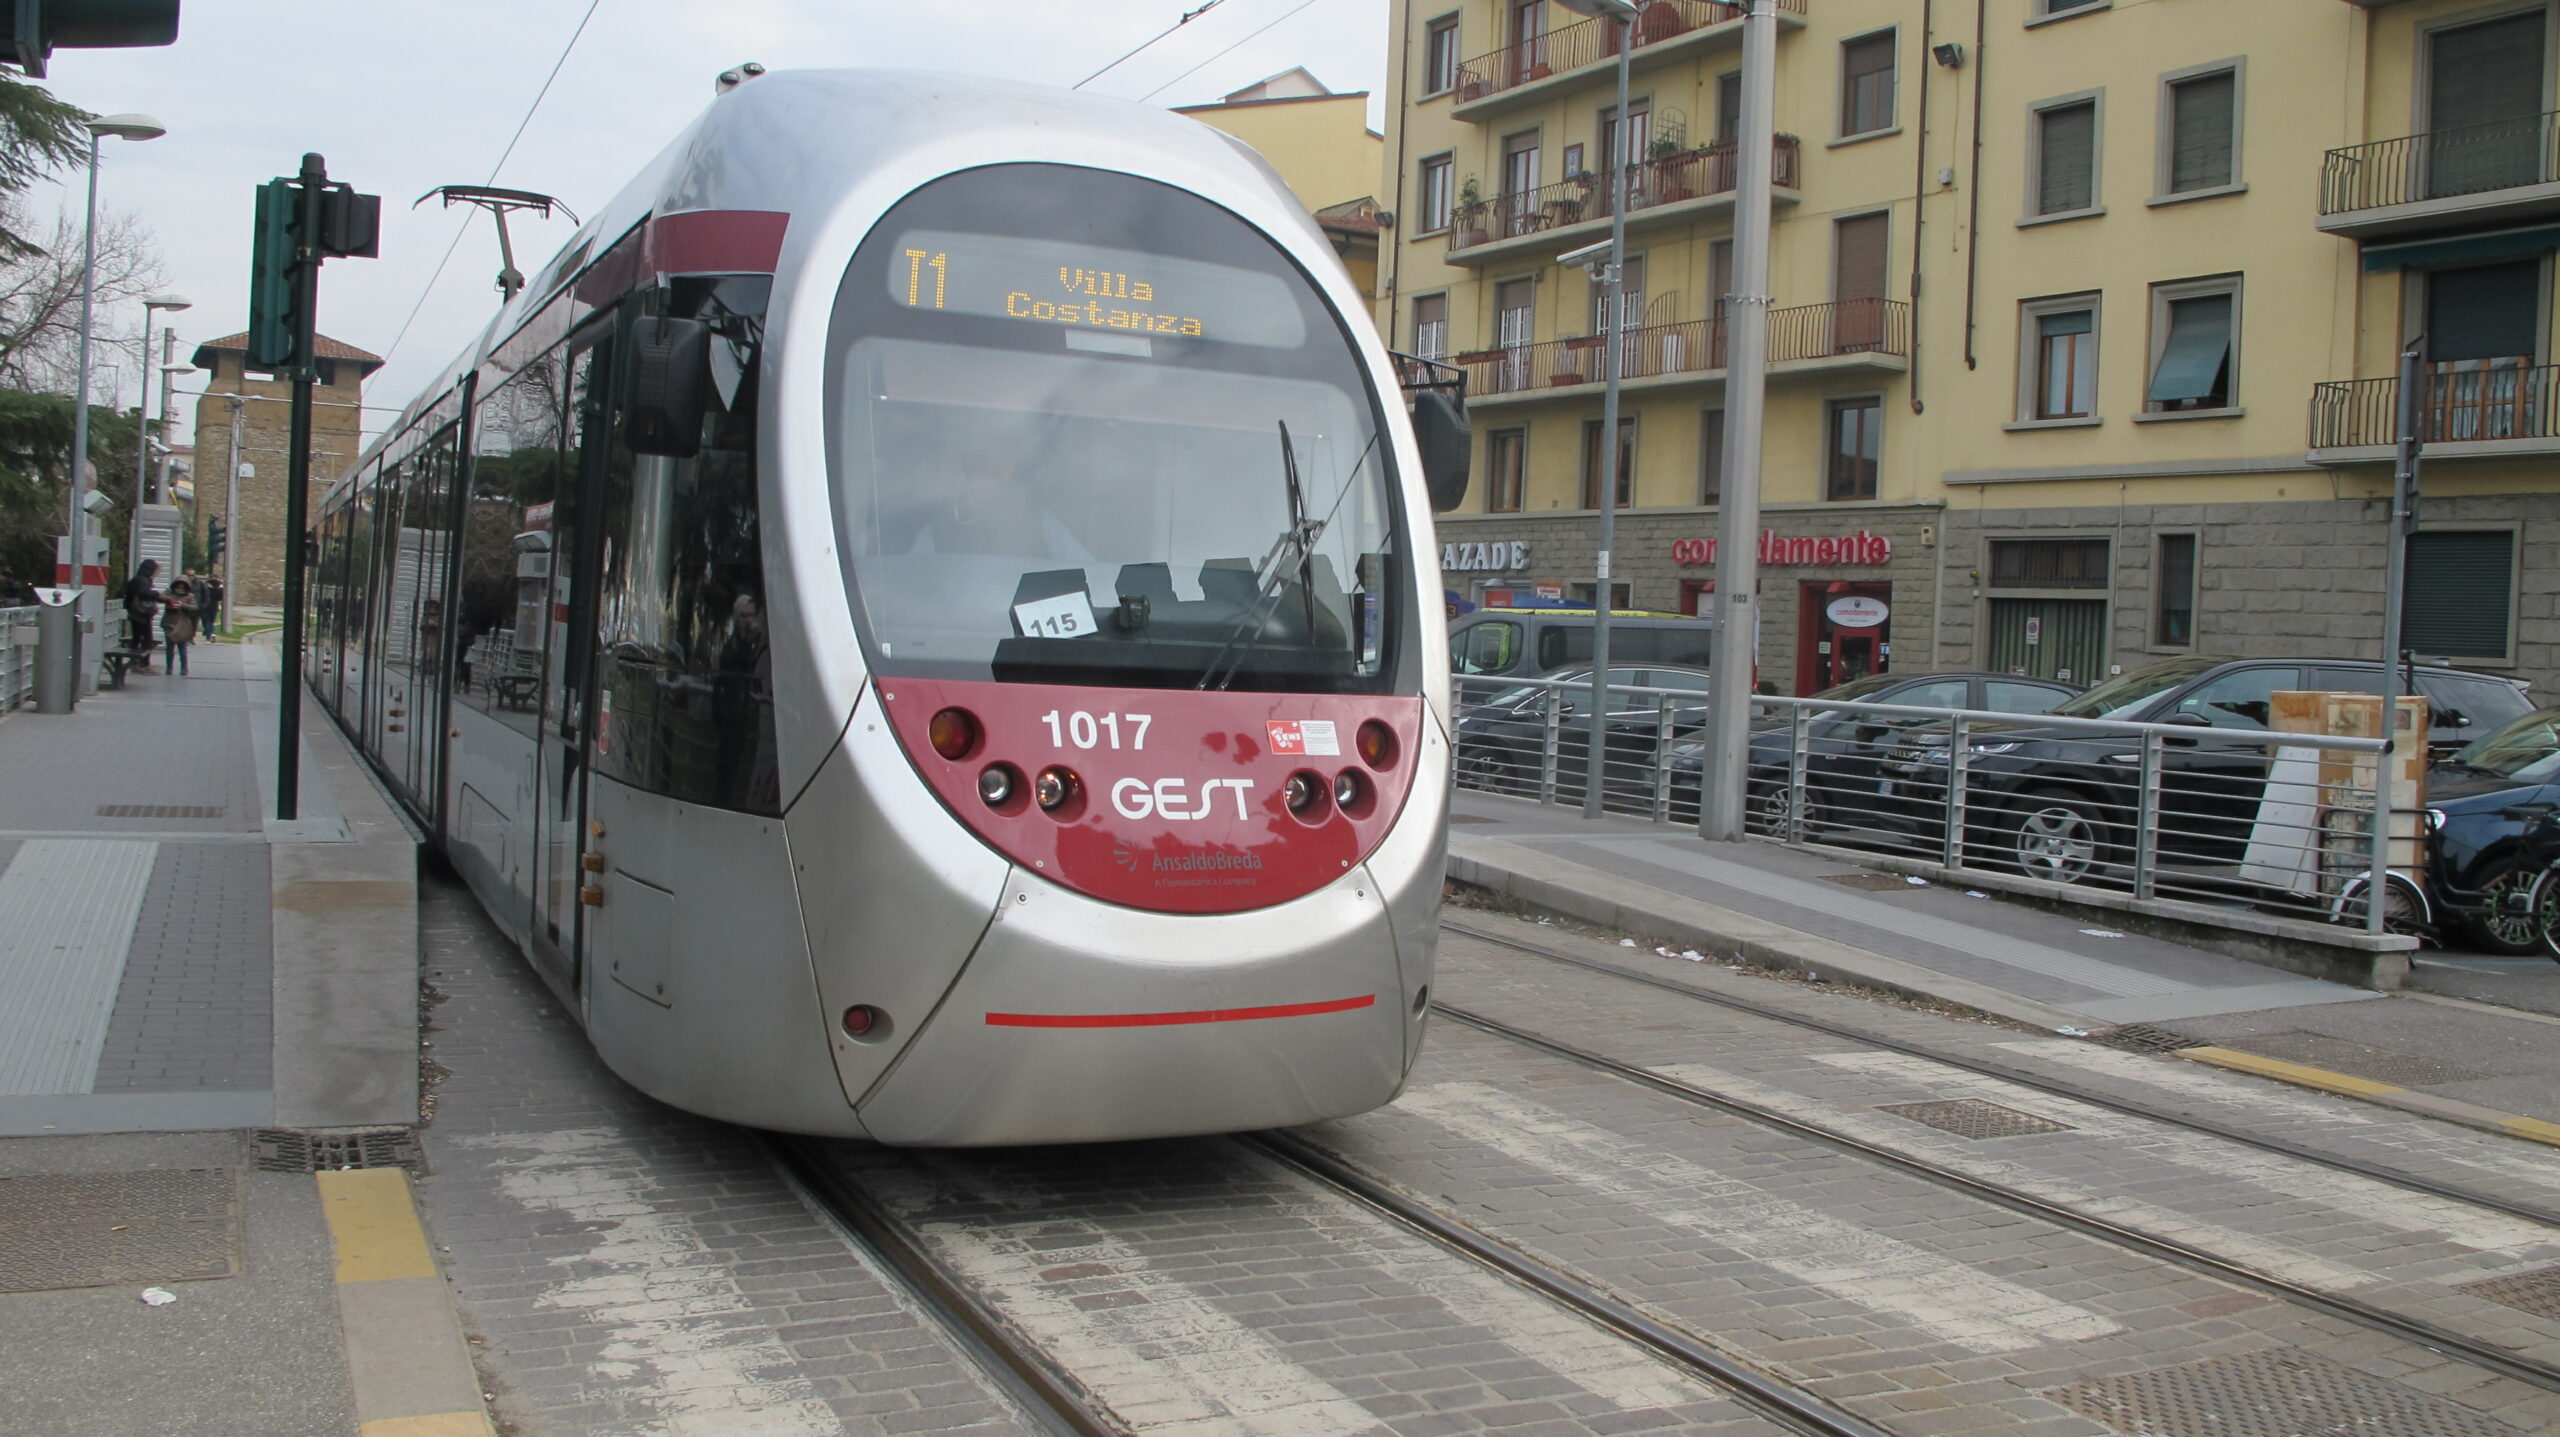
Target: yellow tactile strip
{"x": 2390, "y": 1095}
{"x": 405, "y": 1357}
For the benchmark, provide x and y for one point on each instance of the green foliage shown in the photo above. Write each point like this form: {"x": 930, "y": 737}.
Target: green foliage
{"x": 35, "y": 447}
{"x": 38, "y": 135}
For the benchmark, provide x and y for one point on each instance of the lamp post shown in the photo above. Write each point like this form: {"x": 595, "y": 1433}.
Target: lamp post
{"x": 1609, "y": 268}
{"x": 142, "y": 402}
{"x": 123, "y": 127}
{"x": 168, "y": 383}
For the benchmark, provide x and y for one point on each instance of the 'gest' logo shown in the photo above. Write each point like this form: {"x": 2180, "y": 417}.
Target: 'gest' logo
{"x": 1171, "y": 797}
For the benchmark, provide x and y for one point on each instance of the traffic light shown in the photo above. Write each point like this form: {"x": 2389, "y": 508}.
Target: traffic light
{"x": 215, "y": 541}
{"x": 36, "y": 28}
{"x": 273, "y": 325}
{"x": 350, "y": 224}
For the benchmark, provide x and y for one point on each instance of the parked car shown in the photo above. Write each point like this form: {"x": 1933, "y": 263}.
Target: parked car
{"x": 2493, "y": 810}
{"x": 2057, "y": 804}
{"x": 1502, "y": 740}
{"x": 1845, "y": 752}
{"x": 1522, "y": 642}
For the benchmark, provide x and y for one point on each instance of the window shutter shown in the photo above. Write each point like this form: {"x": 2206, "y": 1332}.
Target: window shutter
{"x": 2200, "y": 117}
{"x": 2483, "y": 312}
{"x": 2461, "y": 587}
{"x": 1859, "y": 258}
{"x": 2066, "y": 154}
{"x": 2199, "y": 342}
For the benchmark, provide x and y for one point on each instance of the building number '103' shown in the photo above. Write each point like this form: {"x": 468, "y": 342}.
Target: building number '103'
{"x": 1086, "y": 730}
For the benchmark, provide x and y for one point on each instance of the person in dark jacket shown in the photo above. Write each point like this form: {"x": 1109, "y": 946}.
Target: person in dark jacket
{"x": 178, "y": 624}
{"x": 141, "y": 601}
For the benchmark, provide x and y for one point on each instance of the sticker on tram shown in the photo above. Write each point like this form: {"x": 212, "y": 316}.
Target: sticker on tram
{"x": 1308, "y": 738}
{"x": 1068, "y": 616}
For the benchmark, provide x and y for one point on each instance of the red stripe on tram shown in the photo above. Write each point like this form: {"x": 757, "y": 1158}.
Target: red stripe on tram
{"x": 1164, "y": 1020}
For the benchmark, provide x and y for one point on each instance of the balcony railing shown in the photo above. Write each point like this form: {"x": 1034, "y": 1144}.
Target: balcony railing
{"x": 2442, "y": 164}
{"x": 1685, "y": 175}
{"x": 1697, "y": 346}
{"x": 1588, "y": 42}
{"x": 2471, "y": 402}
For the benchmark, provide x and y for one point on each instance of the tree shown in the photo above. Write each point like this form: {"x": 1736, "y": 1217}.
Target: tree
{"x": 38, "y": 134}
{"x": 35, "y": 446}
{"x": 40, "y": 302}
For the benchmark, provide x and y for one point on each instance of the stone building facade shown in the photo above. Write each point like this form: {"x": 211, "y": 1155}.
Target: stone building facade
{"x": 252, "y": 410}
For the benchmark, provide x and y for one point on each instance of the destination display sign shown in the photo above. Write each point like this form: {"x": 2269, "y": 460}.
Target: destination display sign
{"x": 1086, "y": 288}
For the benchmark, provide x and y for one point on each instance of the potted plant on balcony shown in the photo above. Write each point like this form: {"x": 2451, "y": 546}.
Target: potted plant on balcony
{"x": 1659, "y": 21}
{"x": 1674, "y": 174}
{"x": 1467, "y": 227}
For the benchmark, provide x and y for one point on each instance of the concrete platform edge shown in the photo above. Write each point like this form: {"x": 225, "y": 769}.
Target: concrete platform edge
{"x": 2347, "y": 1085}
{"x": 407, "y": 1360}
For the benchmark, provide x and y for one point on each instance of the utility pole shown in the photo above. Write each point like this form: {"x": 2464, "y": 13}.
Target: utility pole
{"x": 2411, "y": 435}
{"x": 1737, "y": 609}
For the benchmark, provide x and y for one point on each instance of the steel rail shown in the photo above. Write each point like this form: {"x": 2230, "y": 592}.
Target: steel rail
{"x": 2194, "y": 1259}
{"x": 2407, "y": 1181}
{"x": 1047, "y": 1394}
{"x": 1774, "y": 1397}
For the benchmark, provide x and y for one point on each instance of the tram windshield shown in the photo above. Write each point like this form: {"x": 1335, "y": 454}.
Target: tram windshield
{"x": 1135, "y": 449}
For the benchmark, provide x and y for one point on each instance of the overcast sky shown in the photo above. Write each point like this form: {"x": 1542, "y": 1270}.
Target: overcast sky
{"x": 402, "y": 97}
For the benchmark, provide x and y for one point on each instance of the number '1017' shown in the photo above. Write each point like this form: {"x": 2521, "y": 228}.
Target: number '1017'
{"x": 1086, "y": 730}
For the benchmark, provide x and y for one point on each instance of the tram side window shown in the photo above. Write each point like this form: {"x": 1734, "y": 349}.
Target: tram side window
{"x": 687, "y": 671}
{"x": 498, "y": 612}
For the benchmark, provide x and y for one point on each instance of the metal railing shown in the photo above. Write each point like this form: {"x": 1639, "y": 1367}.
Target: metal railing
{"x": 2189, "y": 812}
{"x": 17, "y": 657}
{"x": 2467, "y": 402}
{"x": 1588, "y": 42}
{"x": 1696, "y": 346}
{"x": 2442, "y": 164}
{"x": 1668, "y": 179}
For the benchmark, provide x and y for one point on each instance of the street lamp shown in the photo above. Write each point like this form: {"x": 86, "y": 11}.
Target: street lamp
{"x": 123, "y": 127}
{"x": 142, "y": 403}
{"x": 1608, "y": 268}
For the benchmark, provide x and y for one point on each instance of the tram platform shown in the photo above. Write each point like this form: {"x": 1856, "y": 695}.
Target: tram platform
{"x": 209, "y": 1034}
{"x": 2467, "y": 1039}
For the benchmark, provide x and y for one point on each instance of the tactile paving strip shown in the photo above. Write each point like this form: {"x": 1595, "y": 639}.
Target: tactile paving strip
{"x": 1974, "y": 1118}
{"x": 160, "y": 810}
{"x": 280, "y": 1150}
{"x": 105, "y": 1229}
{"x": 2414, "y": 1070}
{"x": 2270, "y": 1394}
{"x": 2537, "y": 1292}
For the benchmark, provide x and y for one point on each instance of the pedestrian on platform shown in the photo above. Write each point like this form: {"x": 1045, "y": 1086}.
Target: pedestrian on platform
{"x": 178, "y": 625}
{"x": 209, "y": 606}
{"x": 141, "y": 600}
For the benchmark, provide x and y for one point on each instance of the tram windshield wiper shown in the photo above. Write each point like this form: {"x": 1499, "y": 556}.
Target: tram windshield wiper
{"x": 1295, "y": 548}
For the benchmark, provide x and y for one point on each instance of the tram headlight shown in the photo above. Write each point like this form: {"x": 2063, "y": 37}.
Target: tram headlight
{"x": 1302, "y": 793}
{"x": 996, "y": 783}
{"x": 1350, "y": 791}
{"x": 1054, "y": 787}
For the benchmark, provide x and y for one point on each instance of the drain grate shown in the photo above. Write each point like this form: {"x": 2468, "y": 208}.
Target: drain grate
{"x": 1974, "y": 1118}
{"x": 161, "y": 810}
{"x": 1872, "y": 882}
{"x": 2383, "y": 1065}
{"x": 279, "y": 1150}
{"x": 61, "y": 1230}
{"x": 2537, "y": 1292}
{"x": 2141, "y": 1038}
{"x": 2270, "y": 1394}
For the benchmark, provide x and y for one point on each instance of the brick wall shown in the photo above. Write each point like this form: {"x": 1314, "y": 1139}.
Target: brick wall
{"x": 265, "y": 426}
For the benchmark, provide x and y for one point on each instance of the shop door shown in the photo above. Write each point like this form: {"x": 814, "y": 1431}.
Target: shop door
{"x": 2049, "y": 638}
{"x": 1844, "y": 631}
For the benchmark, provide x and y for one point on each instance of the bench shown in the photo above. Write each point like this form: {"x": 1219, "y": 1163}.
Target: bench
{"x": 118, "y": 660}
{"x": 514, "y": 691}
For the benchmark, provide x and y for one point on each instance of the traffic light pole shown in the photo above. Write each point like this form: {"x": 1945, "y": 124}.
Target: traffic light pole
{"x": 297, "y": 503}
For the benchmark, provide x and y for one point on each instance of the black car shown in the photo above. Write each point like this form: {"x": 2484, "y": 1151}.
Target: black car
{"x": 1845, "y": 752}
{"x": 2059, "y": 804}
{"x": 2494, "y": 810}
{"x": 1502, "y": 737}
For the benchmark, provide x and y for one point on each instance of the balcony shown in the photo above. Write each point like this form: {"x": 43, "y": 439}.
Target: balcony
{"x": 2474, "y": 410}
{"x": 1554, "y": 218}
{"x": 1870, "y": 334}
{"x": 1529, "y": 71}
{"x": 2500, "y": 173}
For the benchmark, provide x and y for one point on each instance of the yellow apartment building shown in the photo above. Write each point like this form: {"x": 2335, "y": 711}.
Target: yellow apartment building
{"x": 1322, "y": 146}
{"x": 2085, "y": 318}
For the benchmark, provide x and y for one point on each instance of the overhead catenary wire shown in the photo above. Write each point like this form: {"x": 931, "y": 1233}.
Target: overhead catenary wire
{"x": 1187, "y": 17}
{"x": 1196, "y": 69}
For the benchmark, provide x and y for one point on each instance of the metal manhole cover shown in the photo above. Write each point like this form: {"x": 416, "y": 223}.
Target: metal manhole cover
{"x": 1873, "y": 882}
{"x": 62, "y": 1230}
{"x": 2269, "y": 1394}
{"x": 2537, "y": 1292}
{"x": 1974, "y": 1118}
{"x": 278, "y": 1150}
{"x": 2141, "y": 1038}
{"x": 2382, "y": 1065}
{"x": 160, "y": 810}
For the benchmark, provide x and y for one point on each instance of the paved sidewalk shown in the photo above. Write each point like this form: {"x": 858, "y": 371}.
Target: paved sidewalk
{"x": 2448, "y": 1056}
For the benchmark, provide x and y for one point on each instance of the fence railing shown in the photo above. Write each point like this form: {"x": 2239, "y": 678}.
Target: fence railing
{"x": 1587, "y": 42}
{"x": 1683, "y": 175}
{"x": 2465, "y": 402}
{"x": 2173, "y": 812}
{"x": 2442, "y": 164}
{"x": 17, "y": 657}
{"x": 1697, "y": 346}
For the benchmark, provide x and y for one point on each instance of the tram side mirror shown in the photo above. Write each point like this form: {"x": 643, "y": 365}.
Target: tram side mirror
{"x": 1448, "y": 447}
{"x": 670, "y": 371}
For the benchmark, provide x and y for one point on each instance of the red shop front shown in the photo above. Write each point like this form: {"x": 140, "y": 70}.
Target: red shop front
{"x": 1844, "y": 627}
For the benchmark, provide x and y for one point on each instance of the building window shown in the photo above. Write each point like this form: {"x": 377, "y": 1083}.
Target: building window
{"x": 2060, "y": 364}
{"x": 2462, "y": 594}
{"x": 1857, "y": 441}
{"x": 1435, "y": 193}
{"x": 1711, "y": 456}
{"x": 1591, "y": 461}
{"x": 2200, "y": 141}
{"x": 2195, "y": 346}
{"x": 2173, "y": 592}
{"x": 2064, "y": 7}
{"x": 2064, "y": 168}
{"x": 1630, "y": 301}
{"x": 1431, "y": 326}
{"x": 1440, "y": 56}
{"x": 1866, "y": 84}
{"x": 1506, "y": 469}
{"x": 2048, "y": 563}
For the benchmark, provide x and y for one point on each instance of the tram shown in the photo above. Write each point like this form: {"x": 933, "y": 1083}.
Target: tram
{"x": 922, "y": 622}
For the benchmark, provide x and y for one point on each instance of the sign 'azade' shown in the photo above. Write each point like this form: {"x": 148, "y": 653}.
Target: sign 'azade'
{"x": 1859, "y": 548}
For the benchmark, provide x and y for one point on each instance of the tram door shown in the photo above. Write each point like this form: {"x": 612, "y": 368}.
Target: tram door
{"x": 568, "y": 690}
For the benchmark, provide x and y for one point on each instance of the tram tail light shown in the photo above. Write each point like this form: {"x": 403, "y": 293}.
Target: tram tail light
{"x": 954, "y": 733}
{"x": 998, "y": 783}
{"x": 862, "y": 1021}
{"x": 1377, "y": 745}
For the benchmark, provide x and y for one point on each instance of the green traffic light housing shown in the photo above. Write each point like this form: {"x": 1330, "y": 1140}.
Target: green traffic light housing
{"x": 36, "y": 28}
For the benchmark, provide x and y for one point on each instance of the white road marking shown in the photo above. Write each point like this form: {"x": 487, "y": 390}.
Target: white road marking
{"x": 1879, "y": 1273}
{"x": 668, "y": 1305}
{"x": 67, "y": 910}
